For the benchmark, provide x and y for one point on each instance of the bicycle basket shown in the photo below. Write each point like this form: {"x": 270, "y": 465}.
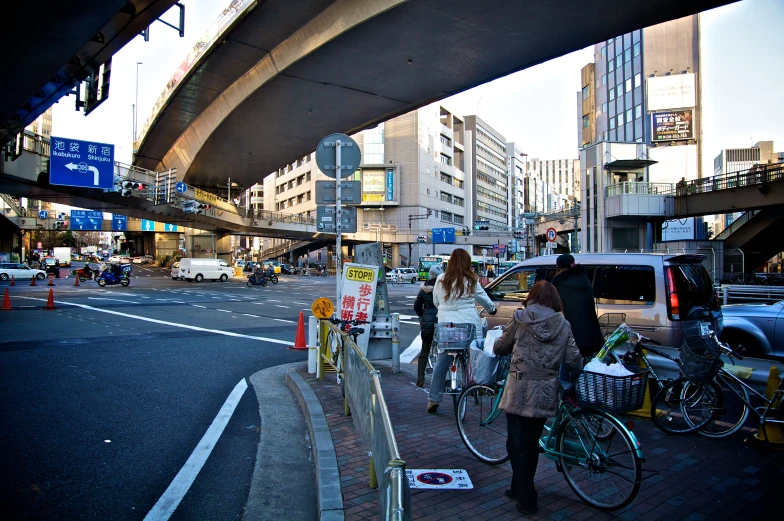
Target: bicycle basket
{"x": 454, "y": 336}
{"x": 700, "y": 360}
{"x": 612, "y": 394}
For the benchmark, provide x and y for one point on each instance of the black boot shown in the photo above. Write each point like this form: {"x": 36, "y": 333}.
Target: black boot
{"x": 421, "y": 365}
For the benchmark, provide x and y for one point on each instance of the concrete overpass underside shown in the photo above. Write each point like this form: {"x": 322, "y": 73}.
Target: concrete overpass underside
{"x": 289, "y": 72}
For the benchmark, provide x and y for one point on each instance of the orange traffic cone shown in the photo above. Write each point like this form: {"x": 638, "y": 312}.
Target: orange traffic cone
{"x": 6, "y": 302}
{"x": 13, "y": 282}
{"x": 50, "y": 301}
{"x": 51, "y": 280}
{"x": 76, "y": 280}
{"x": 32, "y": 281}
{"x": 299, "y": 340}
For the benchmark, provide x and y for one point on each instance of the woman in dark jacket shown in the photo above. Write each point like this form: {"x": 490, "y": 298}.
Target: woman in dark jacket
{"x": 576, "y": 292}
{"x": 428, "y": 318}
{"x": 540, "y": 341}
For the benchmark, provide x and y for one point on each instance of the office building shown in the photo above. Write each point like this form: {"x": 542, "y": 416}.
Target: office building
{"x": 491, "y": 193}
{"x": 42, "y": 124}
{"x": 562, "y": 176}
{"x": 515, "y": 162}
{"x": 738, "y": 159}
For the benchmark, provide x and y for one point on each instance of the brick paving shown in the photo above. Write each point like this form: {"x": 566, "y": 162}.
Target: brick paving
{"x": 697, "y": 478}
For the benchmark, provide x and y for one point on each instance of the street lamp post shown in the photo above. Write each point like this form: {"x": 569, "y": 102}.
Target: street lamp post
{"x": 136, "y": 105}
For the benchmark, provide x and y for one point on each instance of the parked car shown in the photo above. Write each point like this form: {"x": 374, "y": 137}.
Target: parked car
{"x": 148, "y": 259}
{"x": 405, "y": 274}
{"x": 114, "y": 258}
{"x": 51, "y": 266}
{"x": 137, "y": 260}
{"x": 175, "y": 271}
{"x": 19, "y": 271}
{"x": 759, "y": 328}
{"x": 659, "y": 294}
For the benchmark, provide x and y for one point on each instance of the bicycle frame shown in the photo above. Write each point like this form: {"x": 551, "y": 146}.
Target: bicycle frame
{"x": 777, "y": 396}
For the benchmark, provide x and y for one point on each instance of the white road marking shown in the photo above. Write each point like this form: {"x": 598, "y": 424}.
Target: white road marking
{"x": 224, "y": 310}
{"x": 182, "y": 482}
{"x": 114, "y": 299}
{"x": 198, "y": 306}
{"x": 165, "y": 323}
{"x": 407, "y": 322}
{"x": 249, "y": 315}
{"x": 272, "y": 300}
{"x": 406, "y": 317}
{"x": 300, "y": 303}
{"x": 283, "y": 320}
{"x": 279, "y": 306}
{"x": 411, "y": 296}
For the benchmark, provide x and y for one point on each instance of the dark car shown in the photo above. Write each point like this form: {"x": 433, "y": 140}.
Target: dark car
{"x": 51, "y": 266}
{"x": 759, "y": 328}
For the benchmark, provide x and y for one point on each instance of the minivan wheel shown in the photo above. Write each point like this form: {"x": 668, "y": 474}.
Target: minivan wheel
{"x": 413, "y": 280}
{"x": 199, "y": 277}
{"x": 224, "y": 278}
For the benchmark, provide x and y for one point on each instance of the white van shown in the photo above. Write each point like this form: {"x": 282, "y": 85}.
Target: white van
{"x": 200, "y": 269}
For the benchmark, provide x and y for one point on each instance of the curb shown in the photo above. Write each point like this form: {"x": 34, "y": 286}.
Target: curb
{"x": 330, "y": 495}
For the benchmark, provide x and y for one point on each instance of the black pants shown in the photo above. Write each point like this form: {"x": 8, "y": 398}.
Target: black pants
{"x": 522, "y": 445}
{"x": 427, "y": 343}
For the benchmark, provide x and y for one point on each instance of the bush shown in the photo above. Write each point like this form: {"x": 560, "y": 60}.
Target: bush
{"x": 165, "y": 261}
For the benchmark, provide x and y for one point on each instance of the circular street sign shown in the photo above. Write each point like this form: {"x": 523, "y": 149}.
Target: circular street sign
{"x": 208, "y": 250}
{"x": 322, "y": 308}
{"x": 551, "y": 234}
{"x": 434, "y": 478}
{"x": 43, "y": 214}
{"x": 350, "y": 155}
{"x": 180, "y": 187}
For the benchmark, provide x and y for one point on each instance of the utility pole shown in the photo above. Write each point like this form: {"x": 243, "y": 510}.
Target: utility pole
{"x": 136, "y": 105}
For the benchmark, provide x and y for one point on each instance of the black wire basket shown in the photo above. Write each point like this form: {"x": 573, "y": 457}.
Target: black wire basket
{"x": 612, "y": 394}
{"x": 700, "y": 359}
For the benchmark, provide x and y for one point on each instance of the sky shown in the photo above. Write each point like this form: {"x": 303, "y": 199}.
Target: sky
{"x": 742, "y": 76}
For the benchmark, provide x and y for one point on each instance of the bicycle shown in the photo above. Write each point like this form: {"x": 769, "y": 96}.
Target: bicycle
{"x": 335, "y": 342}
{"x": 454, "y": 340}
{"x": 396, "y": 280}
{"x": 725, "y": 421}
{"x": 599, "y": 456}
{"x": 669, "y": 402}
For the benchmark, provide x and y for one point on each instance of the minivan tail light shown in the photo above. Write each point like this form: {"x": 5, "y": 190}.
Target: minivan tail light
{"x": 672, "y": 294}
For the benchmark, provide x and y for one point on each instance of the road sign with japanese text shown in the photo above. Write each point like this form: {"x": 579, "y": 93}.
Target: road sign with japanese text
{"x": 444, "y": 479}
{"x": 81, "y": 163}
{"x": 119, "y": 223}
{"x": 358, "y": 295}
{"x": 86, "y": 220}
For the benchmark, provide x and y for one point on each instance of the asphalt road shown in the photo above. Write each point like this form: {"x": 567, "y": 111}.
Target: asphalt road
{"x": 106, "y": 397}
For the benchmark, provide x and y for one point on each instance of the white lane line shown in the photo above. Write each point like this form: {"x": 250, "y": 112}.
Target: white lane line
{"x": 300, "y": 303}
{"x": 182, "y": 482}
{"x": 249, "y": 315}
{"x": 279, "y": 306}
{"x": 411, "y": 296}
{"x": 406, "y": 317}
{"x": 224, "y": 310}
{"x": 114, "y": 299}
{"x": 149, "y": 275}
{"x": 165, "y": 323}
{"x": 283, "y": 320}
{"x": 272, "y": 300}
{"x": 198, "y": 306}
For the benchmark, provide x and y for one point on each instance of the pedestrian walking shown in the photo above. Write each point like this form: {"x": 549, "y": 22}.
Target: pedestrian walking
{"x": 490, "y": 273}
{"x": 576, "y": 292}
{"x": 540, "y": 340}
{"x": 428, "y": 317}
{"x": 454, "y": 294}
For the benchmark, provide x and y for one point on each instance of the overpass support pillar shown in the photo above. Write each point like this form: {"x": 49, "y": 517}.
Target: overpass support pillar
{"x": 395, "y": 255}
{"x": 222, "y": 248}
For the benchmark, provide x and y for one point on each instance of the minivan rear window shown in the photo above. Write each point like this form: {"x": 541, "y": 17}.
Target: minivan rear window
{"x": 625, "y": 285}
{"x": 694, "y": 288}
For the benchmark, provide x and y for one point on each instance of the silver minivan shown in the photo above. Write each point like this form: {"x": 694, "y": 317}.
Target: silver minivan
{"x": 658, "y": 295}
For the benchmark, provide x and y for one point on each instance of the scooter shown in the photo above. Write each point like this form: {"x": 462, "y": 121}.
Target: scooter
{"x": 257, "y": 280}
{"x": 109, "y": 277}
{"x": 83, "y": 276}
{"x": 272, "y": 278}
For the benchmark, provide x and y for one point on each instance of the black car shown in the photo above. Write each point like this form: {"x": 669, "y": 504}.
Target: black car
{"x": 51, "y": 266}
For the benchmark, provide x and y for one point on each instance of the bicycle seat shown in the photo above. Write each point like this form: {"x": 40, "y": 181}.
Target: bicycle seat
{"x": 356, "y": 331}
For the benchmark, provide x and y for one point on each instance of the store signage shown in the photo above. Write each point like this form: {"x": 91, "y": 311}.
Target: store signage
{"x": 390, "y": 183}
{"x": 678, "y": 230}
{"x": 671, "y": 92}
{"x": 672, "y": 125}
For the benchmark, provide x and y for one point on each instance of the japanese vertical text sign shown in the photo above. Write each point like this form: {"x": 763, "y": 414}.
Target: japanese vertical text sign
{"x": 358, "y": 296}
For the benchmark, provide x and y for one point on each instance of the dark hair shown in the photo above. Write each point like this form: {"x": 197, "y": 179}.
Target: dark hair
{"x": 545, "y": 294}
{"x": 458, "y": 275}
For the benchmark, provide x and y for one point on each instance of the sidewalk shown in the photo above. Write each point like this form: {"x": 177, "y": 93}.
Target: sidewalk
{"x": 699, "y": 478}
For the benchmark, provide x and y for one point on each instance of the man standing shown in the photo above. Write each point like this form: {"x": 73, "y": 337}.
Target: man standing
{"x": 576, "y": 291}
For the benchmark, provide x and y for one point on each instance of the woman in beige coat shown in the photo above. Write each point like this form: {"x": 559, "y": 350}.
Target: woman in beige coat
{"x": 540, "y": 339}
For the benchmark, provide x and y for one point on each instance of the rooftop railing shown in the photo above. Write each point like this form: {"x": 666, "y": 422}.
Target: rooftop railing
{"x": 640, "y": 188}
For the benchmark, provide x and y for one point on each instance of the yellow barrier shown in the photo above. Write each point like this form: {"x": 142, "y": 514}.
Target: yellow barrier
{"x": 645, "y": 410}
{"x": 775, "y": 434}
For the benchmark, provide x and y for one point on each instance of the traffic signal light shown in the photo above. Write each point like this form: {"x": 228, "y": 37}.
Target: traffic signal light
{"x": 61, "y": 225}
{"x": 129, "y": 186}
{"x": 519, "y": 234}
{"x": 201, "y": 208}
{"x": 466, "y": 231}
{"x": 422, "y": 239}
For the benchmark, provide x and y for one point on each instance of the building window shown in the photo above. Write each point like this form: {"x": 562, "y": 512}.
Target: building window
{"x": 629, "y": 85}
{"x": 307, "y": 176}
{"x": 618, "y": 61}
{"x": 586, "y": 121}
{"x": 604, "y": 136}
{"x": 627, "y": 55}
{"x": 458, "y": 201}
{"x": 637, "y": 49}
{"x": 446, "y": 178}
{"x": 586, "y": 92}
{"x": 458, "y": 183}
{"x": 604, "y": 79}
{"x": 457, "y": 219}
{"x": 309, "y": 195}
{"x": 610, "y": 65}
{"x": 620, "y": 119}
{"x": 619, "y": 90}
{"x": 445, "y": 140}
{"x": 446, "y": 197}
{"x": 604, "y": 108}
{"x": 637, "y": 80}
{"x": 629, "y": 116}
{"x": 612, "y": 123}
{"x": 638, "y": 112}
{"x": 446, "y": 160}
{"x": 604, "y": 51}
{"x": 612, "y": 94}
{"x": 446, "y": 216}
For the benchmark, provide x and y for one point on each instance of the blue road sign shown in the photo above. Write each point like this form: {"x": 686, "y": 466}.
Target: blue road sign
{"x": 181, "y": 187}
{"x": 86, "y": 220}
{"x": 169, "y": 227}
{"x": 119, "y": 223}
{"x": 148, "y": 226}
{"x": 43, "y": 214}
{"x": 443, "y": 235}
{"x": 81, "y": 163}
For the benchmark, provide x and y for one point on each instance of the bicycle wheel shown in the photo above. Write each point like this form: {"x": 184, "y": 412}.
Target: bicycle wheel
{"x": 604, "y": 472}
{"x": 457, "y": 379}
{"x": 481, "y": 426}
{"x": 730, "y": 413}
{"x": 681, "y": 398}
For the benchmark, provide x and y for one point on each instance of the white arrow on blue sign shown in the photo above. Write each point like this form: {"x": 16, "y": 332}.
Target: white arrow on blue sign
{"x": 43, "y": 214}
{"x": 181, "y": 187}
{"x": 119, "y": 223}
{"x": 81, "y": 163}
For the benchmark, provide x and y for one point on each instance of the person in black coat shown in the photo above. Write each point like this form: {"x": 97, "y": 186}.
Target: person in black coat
{"x": 428, "y": 318}
{"x": 576, "y": 291}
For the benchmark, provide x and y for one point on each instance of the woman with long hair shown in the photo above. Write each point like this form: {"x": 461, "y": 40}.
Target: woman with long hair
{"x": 540, "y": 340}
{"x": 453, "y": 295}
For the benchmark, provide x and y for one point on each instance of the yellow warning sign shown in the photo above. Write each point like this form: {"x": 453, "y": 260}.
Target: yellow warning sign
{"x": 322, "y": 308}
{"x": 358, "y": 274}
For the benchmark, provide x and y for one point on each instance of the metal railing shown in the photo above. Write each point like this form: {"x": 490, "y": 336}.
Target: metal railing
{"x": 756, "y": 175}
{"x": 11, "y": 204}
{"x": 736, "y": 224}
{"x": 568, "y": 213}
{"x": 640, "y": 188}
{"x": 736, "y": 294}
{"x": 371, "y": 418}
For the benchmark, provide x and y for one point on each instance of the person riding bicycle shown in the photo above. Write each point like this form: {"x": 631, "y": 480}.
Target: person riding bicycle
{"x": 454, "y": 294}
{"x": 539, "y": 339}
{"x": 428, "y": 316}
